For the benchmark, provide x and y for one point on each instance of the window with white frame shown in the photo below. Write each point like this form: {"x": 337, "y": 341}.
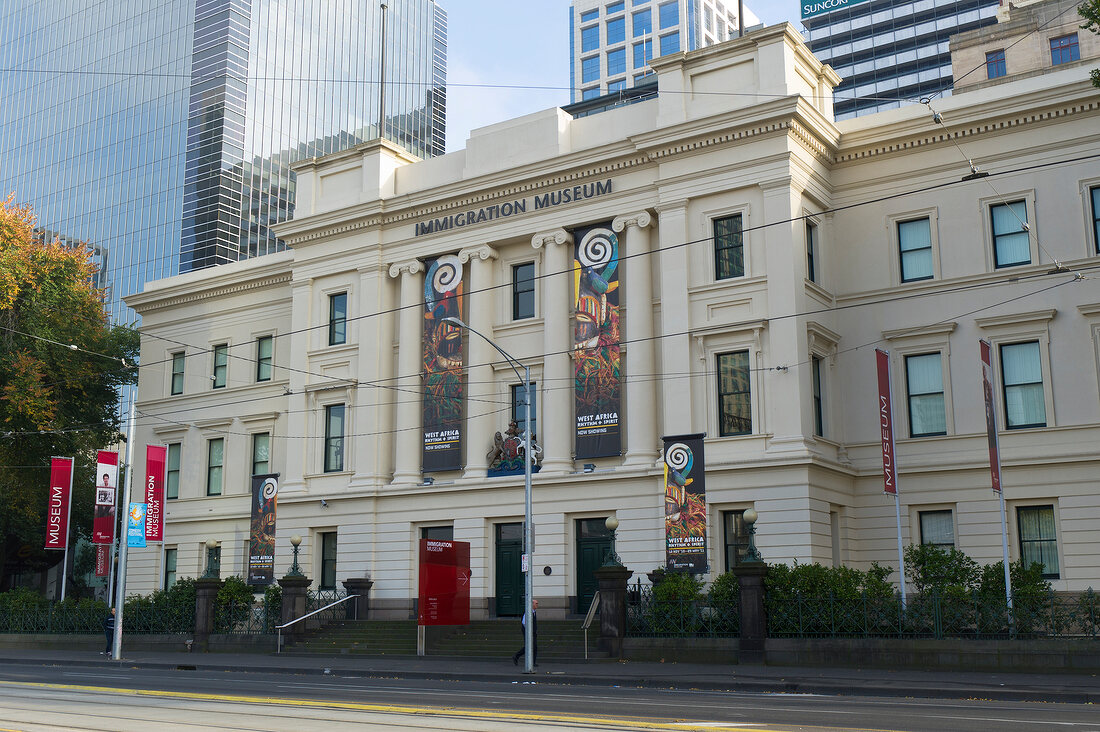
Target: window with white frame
{"x": 337, "y": 318}
{"x": 1022, "y": 383}
{"x": 811, "y": 251}
{"x": 172, "y": 471}
{"x": 265, "y": 356}
{"x": 915, "y": 249}
{"x": 1011, "y": 238}
{"x": 261, "y": 453}
{"x": 334, "y": 438}
{"x": 523, "y": 291}
{"x": 734, "y": 394}
{"x": 519, "y": 407}
{"x": 171, "y": 556}
{"x": 818, "y": 402}
{"x": 219, "y": 375}
{"x": 215, "y": 460}
{"x": 1094, "y": 199}
{"x": 1038, "y": 538}
{"x": 178, "y": 360}
{"x": 937, "y": 528}
{"x": 925, "y": 394}
{"x": 729, "y": 249}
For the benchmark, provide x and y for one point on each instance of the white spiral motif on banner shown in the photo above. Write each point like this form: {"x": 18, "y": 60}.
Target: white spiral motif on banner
{"x": 597, "y": 248}
{"x": 448, "y": 273}
{"x": 269, "y": 489}
{"x": 678, "y": 456}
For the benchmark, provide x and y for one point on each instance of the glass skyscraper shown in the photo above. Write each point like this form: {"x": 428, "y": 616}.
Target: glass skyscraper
{"x": 163, "y": 133}
{"x": 612, "y": 41}
{"x": 889, "y": 51}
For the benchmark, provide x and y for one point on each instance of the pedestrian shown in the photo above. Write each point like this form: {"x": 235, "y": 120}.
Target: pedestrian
{"x": 109, "y": 631}
{"x": 534, "y": 636}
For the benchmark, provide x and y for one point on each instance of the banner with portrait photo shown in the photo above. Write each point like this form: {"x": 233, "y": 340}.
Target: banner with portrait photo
{"x": 597, "y": 363}
{"x": 685, "y": 504}
{"x": 444, "y": 393}
{"x": 106, "y": 497}
{"x": 261, "y": 534}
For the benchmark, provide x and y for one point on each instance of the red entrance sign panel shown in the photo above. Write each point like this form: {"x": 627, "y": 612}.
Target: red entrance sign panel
{"x": 444, "y": 582}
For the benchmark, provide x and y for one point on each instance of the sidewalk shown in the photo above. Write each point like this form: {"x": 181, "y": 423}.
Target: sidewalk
{"x": 1067, "y": 688}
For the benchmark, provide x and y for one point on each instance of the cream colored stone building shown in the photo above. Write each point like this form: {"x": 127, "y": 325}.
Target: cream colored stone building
{"x": 869, "y": 233}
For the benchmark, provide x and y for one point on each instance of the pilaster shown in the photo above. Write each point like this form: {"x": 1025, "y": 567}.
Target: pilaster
{"x": 480, "y": 384}
{"x": 557, "y": 437}
{"x": 406, "y": 393}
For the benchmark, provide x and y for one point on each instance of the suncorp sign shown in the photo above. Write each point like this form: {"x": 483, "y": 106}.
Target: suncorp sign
{"x": 817, "y": 7}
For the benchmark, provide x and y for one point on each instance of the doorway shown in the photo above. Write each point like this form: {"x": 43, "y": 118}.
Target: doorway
{"x": 509, "y": 574}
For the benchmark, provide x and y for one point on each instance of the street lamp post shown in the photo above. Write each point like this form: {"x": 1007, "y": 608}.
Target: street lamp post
{"x": 528, "y": 537}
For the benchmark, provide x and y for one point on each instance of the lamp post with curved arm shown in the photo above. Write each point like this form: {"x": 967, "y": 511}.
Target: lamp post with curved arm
{"x": 528, "y": 538}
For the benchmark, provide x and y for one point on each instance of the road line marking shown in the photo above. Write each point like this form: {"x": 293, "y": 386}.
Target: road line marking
{"x": 393, "y": 709}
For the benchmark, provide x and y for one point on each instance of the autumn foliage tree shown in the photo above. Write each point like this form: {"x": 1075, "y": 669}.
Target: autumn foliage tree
{"x": 1090, "y": 11}
{"x": 61, "y": 367}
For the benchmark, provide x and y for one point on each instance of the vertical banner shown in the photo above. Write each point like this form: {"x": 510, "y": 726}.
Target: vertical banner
{"x": 990, "y": 415}
{"x": 57, "y": 503}
{"x": 886, "y": 423}
{"x": 261, "y": 535}
{"x": 106, "y": 497}
{"x": 443, "y": 391}
{"x": 596, "y": 358}
{"x": 685, "y": 504}
{"x": 156, "y": 459}
{"x": 444, "y": 583}
{"x": 135, "y": 525}
{"x": 102, "y": 560}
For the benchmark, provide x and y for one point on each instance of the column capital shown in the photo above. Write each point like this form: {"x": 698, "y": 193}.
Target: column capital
{"x": 411, "y": 267}
{"x": 546, "y": 238}
{"x": 641, "y": 219}
{"x": 482, "y": 252}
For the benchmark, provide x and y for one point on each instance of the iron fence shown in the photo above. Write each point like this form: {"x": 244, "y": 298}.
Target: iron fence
{"x": 651, "y": 617}
{"x": 240, "y": 617}
{"x": 67, "y": 619}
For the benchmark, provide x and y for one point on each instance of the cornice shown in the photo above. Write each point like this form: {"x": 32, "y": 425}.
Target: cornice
{"x": 1016, "y": 319}
{"x": 936, "y": 329}
{"x": 214, "y": 292}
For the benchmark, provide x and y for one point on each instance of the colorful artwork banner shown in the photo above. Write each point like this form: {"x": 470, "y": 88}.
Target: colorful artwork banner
{"x": 685, "y": 504}
{"x": 135, "y": 525}
{"x": 261, "y": 534}
{"x": 597, "y": 362}
{"x": 58, "y": 503}
{"x": 106, "y": 497}
{"x": 444, "y": 392}
{"x": 156, "y": 460}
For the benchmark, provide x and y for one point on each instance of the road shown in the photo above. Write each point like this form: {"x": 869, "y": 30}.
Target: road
{"x": 36, "y": 698}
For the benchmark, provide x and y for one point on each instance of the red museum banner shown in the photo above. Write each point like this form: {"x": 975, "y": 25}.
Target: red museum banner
{"x": 444, "y": 582}
{"x": 57, "y": 503}
{"x": 156, "y": 458}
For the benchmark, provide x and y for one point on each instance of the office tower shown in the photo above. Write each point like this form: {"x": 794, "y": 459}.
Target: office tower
{"x": 890, "y": 51}
{"x": 163, "y": 133}
{"x": 612, "y": 41}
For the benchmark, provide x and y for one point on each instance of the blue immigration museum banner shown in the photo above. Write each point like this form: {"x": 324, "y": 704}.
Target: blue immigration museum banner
{"x": 444, "y": 393}
{"x": 811, "y": 8}
{"x": 685, "y": 504}
{"x": 597, "y": 363}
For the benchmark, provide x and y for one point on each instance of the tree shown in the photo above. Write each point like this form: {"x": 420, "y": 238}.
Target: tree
{"x": 61, "y": 367}
{"x": 1090, "y": 11}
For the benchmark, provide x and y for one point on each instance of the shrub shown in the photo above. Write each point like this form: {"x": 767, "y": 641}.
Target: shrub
{"x": 678, "y": 587}
{"x": 946, "y": 571}
{"x": 785, "y": 582}
{"x": 725, "y": 592}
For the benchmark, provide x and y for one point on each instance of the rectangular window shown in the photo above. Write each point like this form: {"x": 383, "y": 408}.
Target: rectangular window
{"x": 172, "y": 471}
{"x": 440, "y": 533}
{"x": 1038, "y": 538}
{"x": 213, "y": 558}
{"x": 590, "y": 69}
{"x": 1095, "y": 192}
{"x": 669, "y": 15}
{"x": 616, "y": 62}
{"x": 523, "y": 291}
{"x": 924, "y": 385}
{"x": 170, "y": 558}
{"x": 616, "y": 86}
{"x": 915, "y": 245}
{"x": 811, "y": 251}
{"x": 590, "y": 38}
{"x": 261, "y": 453}
{"x": 734, "y": 408}
{"x": 615, "y": 8}
{"x": 519, "y": 407}
{"x": 1011, "y": 243}
{"x": 590, "y": 93}
{"x": 328, "y": 561}
{"x": 1064, "y": 49}
{"x": 729, "y": 253}
{"x": 177, "y": 372}
{"x": 643, "y": 54}
{"x": 590, "y": 15}
{"x": 735, "y": 537}
{"x": 616, "y": 31}
{"x": 334, "y": 438}
{"x": 221, "y": 366}
{"x": 265, "y": 352}
{"x": 337, "y": 318}
{"x": 1025, "y": 401}
{"x": 215, "y": 458}
{"x": 670, "y": 44}
{"x": 995, "y": 64}
{"x": 937, "y": 528}
{"x": 643, "y": 23}
{"x": 819, "y": 406}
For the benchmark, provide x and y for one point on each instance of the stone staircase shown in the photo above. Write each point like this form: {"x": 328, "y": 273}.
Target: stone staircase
{"x": 559, "y": 640}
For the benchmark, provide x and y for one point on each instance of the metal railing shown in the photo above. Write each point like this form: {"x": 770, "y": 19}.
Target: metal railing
{"x": 279, "y": 628}
{"x": 592, "y": 608}
{"x": 648, "y": 616}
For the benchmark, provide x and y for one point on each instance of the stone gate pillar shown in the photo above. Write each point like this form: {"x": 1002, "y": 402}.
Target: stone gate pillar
{"x": 754, "y": 623}
{"x": 612, "y": 608}
{"x": 359, "y": 586}
{"x": 206, "y": 597}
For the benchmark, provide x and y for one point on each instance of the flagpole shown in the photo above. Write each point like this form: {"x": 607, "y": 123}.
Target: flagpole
{"x": 68, "y": 520}
{"x": 889, "y": 451}
{"x": 986, "y": 352}
{"x": 120, "y": 586}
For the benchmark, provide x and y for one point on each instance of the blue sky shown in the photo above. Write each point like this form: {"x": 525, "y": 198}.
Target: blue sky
{"x": 524, "y": 44}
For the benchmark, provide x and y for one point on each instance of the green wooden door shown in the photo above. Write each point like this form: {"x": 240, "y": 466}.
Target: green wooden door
{"x": 509, "y": 579}
{"x": 593, "y": 545}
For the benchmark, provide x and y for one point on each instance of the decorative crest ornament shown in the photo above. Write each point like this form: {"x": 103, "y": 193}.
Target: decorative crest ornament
{"x": 506, "y": 455}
